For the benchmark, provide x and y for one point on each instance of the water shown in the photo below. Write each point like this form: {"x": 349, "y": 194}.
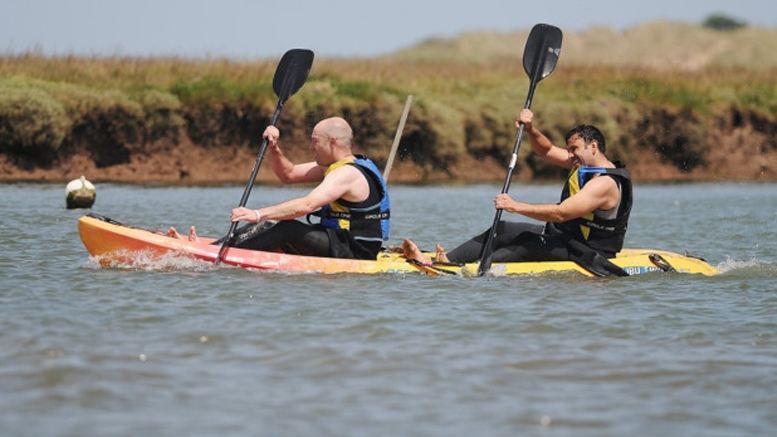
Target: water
{"x": 183, "y": 348}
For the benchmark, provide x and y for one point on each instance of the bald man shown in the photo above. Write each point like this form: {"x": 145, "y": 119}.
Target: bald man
{"x": 351, "y": 199}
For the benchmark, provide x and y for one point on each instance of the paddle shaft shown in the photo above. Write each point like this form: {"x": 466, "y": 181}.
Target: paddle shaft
{"x": 290, "y": 75}
{"x": 250, "y": 184}
{"x": 488, "y": 248}
{"x": 397, "y": 137}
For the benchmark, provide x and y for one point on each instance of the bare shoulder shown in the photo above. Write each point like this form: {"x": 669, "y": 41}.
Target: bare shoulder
{"x": 602, "y": 184}
{"x": 346, "y": 172}
{"x": 351, "y": 181}
{"x": 606, "y": 189}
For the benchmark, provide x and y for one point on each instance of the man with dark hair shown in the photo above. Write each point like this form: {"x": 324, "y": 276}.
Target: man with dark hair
{"x": 587, "y": 226}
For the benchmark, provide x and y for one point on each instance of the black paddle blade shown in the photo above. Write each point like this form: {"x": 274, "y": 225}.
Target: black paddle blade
{"x": 291, "y": 73}
{"x": 542, "y": 51}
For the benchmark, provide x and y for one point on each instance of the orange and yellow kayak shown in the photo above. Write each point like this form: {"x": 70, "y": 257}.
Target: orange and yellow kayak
{"x": 112, "y": 242}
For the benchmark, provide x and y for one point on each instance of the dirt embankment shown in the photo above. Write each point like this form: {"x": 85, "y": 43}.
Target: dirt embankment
{"x": 736, "y": 153}
{"x": 188, "y": 164}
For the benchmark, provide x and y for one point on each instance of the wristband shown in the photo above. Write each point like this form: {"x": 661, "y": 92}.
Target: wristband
{"x": 256, "y": 211}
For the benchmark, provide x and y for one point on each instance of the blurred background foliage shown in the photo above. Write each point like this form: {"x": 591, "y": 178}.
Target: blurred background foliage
{"x": 661, "y": 88}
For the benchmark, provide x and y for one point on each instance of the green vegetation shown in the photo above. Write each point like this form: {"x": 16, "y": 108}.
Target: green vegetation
{"x": 664, "y": 88}
{"x": 33, "y": 122}
{"x": 723, "y": 22}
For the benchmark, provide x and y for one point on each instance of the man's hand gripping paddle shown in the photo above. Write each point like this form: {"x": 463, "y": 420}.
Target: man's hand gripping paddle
{"x": 290, "y": 75}
{"x": 540, "y": 56}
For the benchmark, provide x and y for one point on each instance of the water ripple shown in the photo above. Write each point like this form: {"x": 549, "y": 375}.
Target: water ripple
{"x": 181, "y": 347}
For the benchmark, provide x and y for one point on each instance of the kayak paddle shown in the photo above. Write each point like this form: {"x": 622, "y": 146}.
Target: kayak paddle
{"x": 397, "y": 137}
{"x": 540, "y": 56}
{"x": 290, "y": 75}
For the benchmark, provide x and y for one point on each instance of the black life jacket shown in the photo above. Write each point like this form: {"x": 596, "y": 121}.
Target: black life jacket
{"x": 605, "y": 236}
{"x": 368, "y": 220}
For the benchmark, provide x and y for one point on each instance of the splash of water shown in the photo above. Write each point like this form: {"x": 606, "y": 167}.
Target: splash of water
{"x": 732, "y": 265}
{"x": 151, "y": 261}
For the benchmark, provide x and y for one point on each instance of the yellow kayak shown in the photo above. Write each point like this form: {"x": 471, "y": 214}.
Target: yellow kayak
{"x": 113, "y": 242}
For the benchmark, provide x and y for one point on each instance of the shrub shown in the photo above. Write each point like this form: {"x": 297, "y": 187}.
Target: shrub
{"x": 723, "y": 22}
{"x": 162, "y": 114}
{"x": 675, "y": 134}
{"x": 435, "y": 136}
{"x": 215, "y": 89}
{"x": 32, "y": 122}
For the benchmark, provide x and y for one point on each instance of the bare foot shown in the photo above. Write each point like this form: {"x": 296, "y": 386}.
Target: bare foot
{"x": 192, "y": 234}
{"x": 172, "y": 233}
{"x": 411, "y": 251}
{"x": 441, "y": 256}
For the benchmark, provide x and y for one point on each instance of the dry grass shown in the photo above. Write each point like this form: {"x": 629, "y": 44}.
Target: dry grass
{"x": 661, "y": 45}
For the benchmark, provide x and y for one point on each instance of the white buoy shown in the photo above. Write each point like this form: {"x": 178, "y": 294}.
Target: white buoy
{"x": 80, "y": 193}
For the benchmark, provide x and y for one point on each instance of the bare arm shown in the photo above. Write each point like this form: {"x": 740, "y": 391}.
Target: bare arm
{"x": 284, "y": 169}
{"x": 344, "y": 182}
{"x": 541, "y": 144}
{"x": 599, "y": 193}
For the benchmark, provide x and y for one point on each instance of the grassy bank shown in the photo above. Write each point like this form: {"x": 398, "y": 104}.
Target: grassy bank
{"x": 663, "y": 93}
